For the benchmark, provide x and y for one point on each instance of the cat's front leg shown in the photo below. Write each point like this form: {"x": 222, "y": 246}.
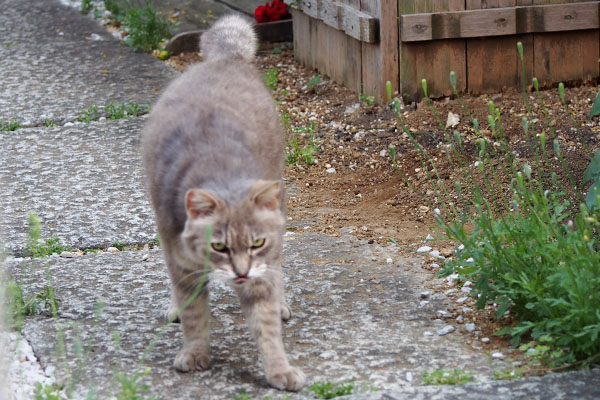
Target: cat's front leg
{"x": 195, "y": 318}
{"x": 262, "y": 309}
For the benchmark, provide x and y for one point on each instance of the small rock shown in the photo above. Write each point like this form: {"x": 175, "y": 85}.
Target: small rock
{"x": 423, "y": 249}
{"x": 352, "y": 109}
{"x": 409, "y": 376}
{"x": 498, "y": 356}
{"x": 467, "y": 310}
{"x": 485, "y": 340}
{"x": 427, "y": 333}
{"x": 423, "y": 303}
{"x": 424, "y": 209}
{"x": 328, "y": 354}
{"x": 443, "y": 313}
{"x": 468, "y": 284}
{"x": 470, "y": 327}
{"x": 67, "y": 254}
{"x": 460, "y": 319}
{"x": 330, "y": 170}
{"x": 434, "y": 265}
{"x": 112, "y": 250}
{"x": 145, "y": 257}
{"x": 434, "y": 253}
{"x": 388, "y": 260}
{"x": 452, "y": 120}
{"x": 383, "y": 153}
{"x": 445, "y": 330}
{"x": 462, "y": 299}
{"x": 425, "y": 294}
{"x": 429, "y": 237}
{"x": 466, "y": 289}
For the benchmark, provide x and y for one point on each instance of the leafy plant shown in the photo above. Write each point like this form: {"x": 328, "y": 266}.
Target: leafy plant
{"x": 48, "y": 123}
{"x": 532, "y": 250}
{"x": 315, "y": 80}
{"x": 368, "y": 100}
{"x": 48, "y": 392}
{"x": 36, "y": 246}
{"x": 124, "y": 110}
{"x": 454, "y": 376}
{"x": 9, "y": 126}
{"x": 303, "y": 154}
{"x": 89, "y": 115}
{"x": 328, "y": 390}
{"x": 146, "y": 28}
{"x": 270, "y": 78}
{"x": 242, "y": 395}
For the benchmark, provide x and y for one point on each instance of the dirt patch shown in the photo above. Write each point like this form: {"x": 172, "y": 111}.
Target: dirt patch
{"x": 352, "y": 182}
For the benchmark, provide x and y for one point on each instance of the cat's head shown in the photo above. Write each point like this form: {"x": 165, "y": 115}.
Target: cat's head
{"x": 246, "y": 237}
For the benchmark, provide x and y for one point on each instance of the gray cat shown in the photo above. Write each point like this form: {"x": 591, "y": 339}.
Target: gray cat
{"x": 213, "y": 154}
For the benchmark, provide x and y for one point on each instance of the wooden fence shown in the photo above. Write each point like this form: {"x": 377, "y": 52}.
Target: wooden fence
{"x": 364, "y": 43}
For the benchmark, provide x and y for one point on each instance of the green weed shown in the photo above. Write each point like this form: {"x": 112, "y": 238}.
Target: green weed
{"x": 9, "y": 126}
{"x": 146, "y": 28}
{"x": 454, "y": 376}
{"x": 532, "y": 249}
{"x": 124, "y": 110}
{"x": 48, "y": 123}
{"x": 508, "y": 374}
{"x": 48, "y": 392}
{"x": 242, "y": 395}
{"x": 328, "y": 390}
{"x": 299, "y": 153}
{"x": 368, "y": 100}
{"x": 89, "y": 115}
{"x": 19, "y": 306}
{"x": 36, "y": 246}
{"x": 315, "y": 80}
{"x": 270, "y": 78}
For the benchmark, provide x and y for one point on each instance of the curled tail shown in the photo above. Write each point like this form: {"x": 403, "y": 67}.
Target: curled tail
{"x": 230, "y": 37}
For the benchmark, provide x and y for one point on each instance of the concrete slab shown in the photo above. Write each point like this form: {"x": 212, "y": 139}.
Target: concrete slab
{"x": 85, "y": 182}
{"x": 354, "y": 318}
{"x": 56, "y": 63}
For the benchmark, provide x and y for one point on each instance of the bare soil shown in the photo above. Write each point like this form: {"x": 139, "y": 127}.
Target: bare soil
{"x": 366, "y": 192}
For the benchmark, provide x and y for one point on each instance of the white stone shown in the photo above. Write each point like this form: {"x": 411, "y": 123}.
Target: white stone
{"x": 382, "y": 153}
{"x": 427, "y": 333}
{"x": 112, "y": 250}
{"x": 453, "y": 120}
{"x": 498, "y": 356}
{"x": 434, "y": 253}
{"x": 409, "y": 376}
{"x": 423, "y": 249}
{"x": 429, "y": 237}
{"x": 434, "y": 265}
{"x": 462, "y": 299}
{"x": 330, "y": 170}
{"x": 470, "y": 327}
{"x": 466, "y": 289}
{"x": 485, "y": 340}
{"x": 445, "y": 330}
{"x": 388, "y": 260}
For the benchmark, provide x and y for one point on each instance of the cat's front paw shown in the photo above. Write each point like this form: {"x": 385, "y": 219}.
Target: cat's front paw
{"x": 170, "y": 314}
{"x": 192, "y": 359}
{"x": 290, "y": 378}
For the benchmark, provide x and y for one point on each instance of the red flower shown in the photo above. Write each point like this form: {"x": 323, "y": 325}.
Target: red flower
{"x": 275, "y": 11}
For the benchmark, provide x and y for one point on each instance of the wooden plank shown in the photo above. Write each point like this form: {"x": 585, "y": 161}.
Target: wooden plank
{"x": 371, "y": 58}
{"x": 566, "y": 56}
{"x": 351, "y": 56}
{"x": 500, "y": 21}
{"x": 301, "y": 35}
{"x": 358, "y": 25}
{"x": 389, "y": 37}
{"x": 331, "y": 14}
{"x": 432, "y": 60}
{"x": 310, "y": 7}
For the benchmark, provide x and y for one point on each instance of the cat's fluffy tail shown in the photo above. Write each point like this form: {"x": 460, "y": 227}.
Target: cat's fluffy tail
{"x": 231, "y": 36}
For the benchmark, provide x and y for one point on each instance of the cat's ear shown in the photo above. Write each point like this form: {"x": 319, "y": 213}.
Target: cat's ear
{"x": 200, "y": 203}
{"x": 266, "y": 194}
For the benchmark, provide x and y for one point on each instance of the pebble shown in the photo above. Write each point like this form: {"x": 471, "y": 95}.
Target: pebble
{"x": 330, "y": 170}
{"x": 445, "y": 330}
{"x": 434, "y": 253}
{"x": 145, "y": 257}
{"x": 498, "y": 356}
{"x": 466, "y": 289}
{"x": 328, "y": 354}
{"x": 485, "y": 340}
{"x": 425, "y": 294}
{"x": 467, "y": 310}
{"x": 423, "y": 303}
{"x": 427, "y": 333}
{"x": 388, "y": 260}
{"x": 462, "y": 299}
{"x": 423, "y": 249}
{"x": 67, "y": 254}
{"x": 434, "y": 265}
{"x": 429, "y": 237}
{"x": 382, "y": 153}
{"x": 112, "y": 250}
{"x": 460, "y": 319}
{"x": 409, "y": 376}
{"x": 470, "y": 327}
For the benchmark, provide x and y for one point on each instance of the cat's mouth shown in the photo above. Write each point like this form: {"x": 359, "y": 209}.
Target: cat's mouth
{"x": 240, "y": 280}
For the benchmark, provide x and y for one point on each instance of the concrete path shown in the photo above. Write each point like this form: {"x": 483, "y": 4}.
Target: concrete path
{"x": 357, "y": 316}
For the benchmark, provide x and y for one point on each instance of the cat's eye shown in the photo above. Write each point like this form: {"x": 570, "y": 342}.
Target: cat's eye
{"x": 258, "y": 243}
{"x": 218, "y": 246}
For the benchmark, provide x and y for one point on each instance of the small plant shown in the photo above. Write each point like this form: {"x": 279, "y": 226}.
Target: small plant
{"x": 270, "y": 78}
{"x": 48, "y": 123}
{"x": 328, "y": 390}
{"x": 305, "y": 154}
{"x": 20, "y": 306}
{"x": 86, "y": 6}
{"x": 455, "y": 376}
{"x": 36, "y": 246}
{"x": 146, "y": 28}
{"x": 130, "y": 386}
{"x": 368, "y": 100}
{"x": 242, "y": 395}
{"x": 89, "y": 115}
{"x": 9, "y": 126}
{"x": 48, "y": 392}
{"x": 124, "y": 110}
{"x": 508, "y": 374}
{"x": 315, "y": 80}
